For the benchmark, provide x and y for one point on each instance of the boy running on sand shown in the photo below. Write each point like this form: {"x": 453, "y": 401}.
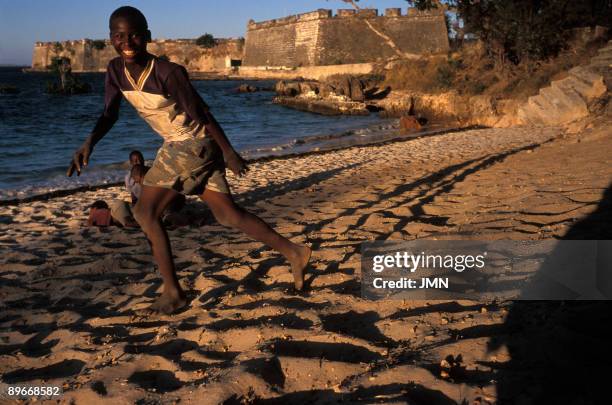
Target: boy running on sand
{"x": 191, "y": 160}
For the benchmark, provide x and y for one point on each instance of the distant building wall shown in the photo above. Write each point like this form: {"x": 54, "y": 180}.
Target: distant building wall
{"x": 93, "y": 56}
{"x": 318, "y": 38}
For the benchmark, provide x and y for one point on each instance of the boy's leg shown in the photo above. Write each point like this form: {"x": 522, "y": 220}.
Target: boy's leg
{"x": 147, "y": 211}
{"x": 228, "y": 213}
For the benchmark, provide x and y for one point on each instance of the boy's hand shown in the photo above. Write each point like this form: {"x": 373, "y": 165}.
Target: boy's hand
{"x": 236, "y": 163}
{"x": 80, "y": 159}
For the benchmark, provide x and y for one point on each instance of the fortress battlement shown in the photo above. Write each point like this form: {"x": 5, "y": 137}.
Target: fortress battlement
{"x": 344, "y": 13}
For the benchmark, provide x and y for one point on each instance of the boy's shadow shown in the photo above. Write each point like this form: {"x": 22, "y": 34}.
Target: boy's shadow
{"x": 560, "y": 351}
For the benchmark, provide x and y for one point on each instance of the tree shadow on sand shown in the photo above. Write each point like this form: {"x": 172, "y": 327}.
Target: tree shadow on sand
{"x": 379, "y": 394}
{"x": 560, "y": 351}
{"x": 414, "y": 196}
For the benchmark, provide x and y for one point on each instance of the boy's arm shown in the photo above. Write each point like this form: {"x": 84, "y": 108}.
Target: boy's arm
{"x": 112, "y": 96}
{"x": 234, "y": 161}
{"x": 82, "y": 154}
{"x": 179, "y": 86}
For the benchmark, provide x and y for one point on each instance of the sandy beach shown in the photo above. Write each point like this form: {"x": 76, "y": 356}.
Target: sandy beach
{"x": 70, "y": 295}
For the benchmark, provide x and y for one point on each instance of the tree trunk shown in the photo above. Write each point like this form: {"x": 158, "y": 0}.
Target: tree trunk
{"x": 64, "y": 71}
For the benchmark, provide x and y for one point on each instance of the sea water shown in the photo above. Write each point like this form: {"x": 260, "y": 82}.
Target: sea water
{"x": 39, "y": 132}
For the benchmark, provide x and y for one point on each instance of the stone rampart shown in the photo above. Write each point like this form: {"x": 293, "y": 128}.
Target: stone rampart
{"x": 320, "y": 38}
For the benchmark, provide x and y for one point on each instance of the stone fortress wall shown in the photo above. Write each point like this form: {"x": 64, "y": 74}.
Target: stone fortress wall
{"x": 305, "y": 40}
{"x": 318, "y": 38}
{"x": 93, "y": 55}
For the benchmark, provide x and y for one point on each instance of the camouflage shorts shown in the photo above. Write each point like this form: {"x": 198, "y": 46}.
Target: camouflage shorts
{"x": 189, "y": 167}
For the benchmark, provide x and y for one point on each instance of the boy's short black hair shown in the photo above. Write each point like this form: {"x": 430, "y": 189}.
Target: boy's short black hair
{"x": 99, "y": 204}
{"x": 129, "y": 13}
{"x": 137, "y": 152}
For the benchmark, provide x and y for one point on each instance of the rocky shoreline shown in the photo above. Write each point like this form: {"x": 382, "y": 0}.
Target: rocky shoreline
{"x": 350, "y": 95}
{"x": 336, "y": 95}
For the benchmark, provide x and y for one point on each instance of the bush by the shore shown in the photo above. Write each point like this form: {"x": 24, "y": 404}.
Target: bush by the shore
{"x": 470, "y": 72}
{"x": 72, "y": 87}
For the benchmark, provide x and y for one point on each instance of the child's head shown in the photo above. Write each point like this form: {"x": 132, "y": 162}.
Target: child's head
{"x": 99, "y": 204}
{"x": 138, "y": 172}
{"x": 136, "y": 158}
{"x": 129, "y": 33}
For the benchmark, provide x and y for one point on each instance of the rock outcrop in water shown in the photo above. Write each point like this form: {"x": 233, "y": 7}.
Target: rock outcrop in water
{"x": 351, "y": 95}
{"x": 247, "y": 88}
{"x": 68, "y": 83}
{"x": 337, "y": 95}
{"x": 8, "y": 89}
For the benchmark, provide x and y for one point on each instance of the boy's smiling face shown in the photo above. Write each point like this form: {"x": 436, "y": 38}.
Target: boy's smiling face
{"x": 129, "y": 39}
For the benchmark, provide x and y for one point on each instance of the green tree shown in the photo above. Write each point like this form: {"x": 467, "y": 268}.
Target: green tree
{"x": 424, "y": 4}
{"x": 98, "y": 44}
{"x": 206, "y": 41}
{"x": 68, "y": 83}
{"x": 524, "y": 30}
{"x": 58, "y": 47}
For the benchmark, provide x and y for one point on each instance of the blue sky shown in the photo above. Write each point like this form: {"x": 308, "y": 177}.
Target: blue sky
{"x": 24, "y": 22}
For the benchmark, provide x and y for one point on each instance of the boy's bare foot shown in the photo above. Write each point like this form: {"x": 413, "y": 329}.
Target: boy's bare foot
{"x": 168, "y": 303}
{"x": 299, "y": 264}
